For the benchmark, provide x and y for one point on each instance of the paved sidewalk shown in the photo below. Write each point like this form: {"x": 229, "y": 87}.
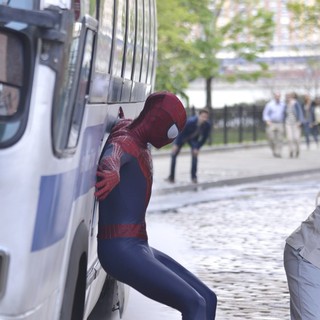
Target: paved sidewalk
{"x": 231, "y": 165}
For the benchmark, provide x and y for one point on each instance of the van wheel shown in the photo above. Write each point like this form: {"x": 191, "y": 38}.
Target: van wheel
{"x": 75, "y": 287}
{"x": 107, "y": 306}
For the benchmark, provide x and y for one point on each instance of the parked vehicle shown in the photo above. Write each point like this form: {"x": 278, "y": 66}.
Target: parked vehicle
{"x": 66, "y": 69}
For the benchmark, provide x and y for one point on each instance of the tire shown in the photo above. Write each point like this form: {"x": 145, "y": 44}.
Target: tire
{"x": 107, "y": 306}
{"x": 75, "y": 287}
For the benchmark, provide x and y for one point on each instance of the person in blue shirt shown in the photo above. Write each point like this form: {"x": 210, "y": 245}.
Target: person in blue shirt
{"x": 309, "y": 126}
{"x": 273, "y": 115}
{"x": 195, "y": 133}
{"x": 294, "y": 120}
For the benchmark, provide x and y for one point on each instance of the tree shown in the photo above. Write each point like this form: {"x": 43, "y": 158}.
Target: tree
{"x": 243, "y": 38}
{"x": 306, "y": 24}
{"x": 248, "y": 34}
{"x": 306, "y": 15}
{"x": 174, "y": 48}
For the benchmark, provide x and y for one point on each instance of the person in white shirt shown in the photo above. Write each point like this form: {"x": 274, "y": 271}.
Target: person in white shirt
{"x": 273, "y": 116}
{"x": 302, "y": 266}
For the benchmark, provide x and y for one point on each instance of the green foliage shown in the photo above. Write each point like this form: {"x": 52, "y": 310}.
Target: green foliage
{"x": 307, "y": 16}
{"x": 192, "y": 36}
{"x": 174, "y": 48}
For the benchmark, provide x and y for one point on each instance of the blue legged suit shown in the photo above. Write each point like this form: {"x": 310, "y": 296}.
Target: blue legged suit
{"x": 123, "y": 247}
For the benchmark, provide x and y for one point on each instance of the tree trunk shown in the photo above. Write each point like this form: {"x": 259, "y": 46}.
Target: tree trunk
{"x": 208, "y": 92}
{"x": 209, "y": 106}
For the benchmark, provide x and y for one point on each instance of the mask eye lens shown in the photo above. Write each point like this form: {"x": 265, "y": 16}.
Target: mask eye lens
{"x": 173, "y": 132}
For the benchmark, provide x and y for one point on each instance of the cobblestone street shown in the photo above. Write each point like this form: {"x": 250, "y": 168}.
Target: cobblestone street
{"x": 232, "y": 237}
{"x": 235, "y": 246}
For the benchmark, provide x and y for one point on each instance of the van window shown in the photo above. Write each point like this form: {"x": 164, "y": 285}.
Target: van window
{"x": 153, "y": 44}
{"x": 116, "y": 67}
{"x": 139, "y": 41}
{"x": 82, "y": 91}
{"x": 127, "y": 74}
{"x": 146, "y": 42}
{"x": 66, "y": 84}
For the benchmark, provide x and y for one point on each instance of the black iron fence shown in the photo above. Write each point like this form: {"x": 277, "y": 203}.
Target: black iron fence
{"x": 237, "y": 124}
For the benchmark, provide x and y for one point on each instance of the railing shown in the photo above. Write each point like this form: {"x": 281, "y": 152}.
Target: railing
{"x": 237, "y": 124}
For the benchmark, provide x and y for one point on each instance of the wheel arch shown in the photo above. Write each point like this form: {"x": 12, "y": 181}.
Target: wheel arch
{"x": 75, "y": 285}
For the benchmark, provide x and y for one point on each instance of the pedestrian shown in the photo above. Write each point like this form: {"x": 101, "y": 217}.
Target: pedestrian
{"x": 195, "y": 133}
{"x": 309, "y": 125}
{"x": 302, "y": 266}
{"x": 293, "y": 122}
{"x": 124, "y": 189}
{"x": 317, "y": 113}
{"x": 273, "y": 116}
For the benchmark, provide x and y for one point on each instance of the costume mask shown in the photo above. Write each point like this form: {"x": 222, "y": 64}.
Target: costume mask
{"x": 161, "y": 119}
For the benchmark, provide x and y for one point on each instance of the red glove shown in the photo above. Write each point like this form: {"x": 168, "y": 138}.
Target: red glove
{"x": 108, "y": 172}
{"x": 107, "y": 180}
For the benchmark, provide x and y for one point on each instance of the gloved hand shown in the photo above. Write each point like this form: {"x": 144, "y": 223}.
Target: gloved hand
{"x": 107, "y": 180}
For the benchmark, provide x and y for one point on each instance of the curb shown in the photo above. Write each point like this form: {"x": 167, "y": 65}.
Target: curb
{"x": 232, "y": 182}
{"x": 220, "y": 148}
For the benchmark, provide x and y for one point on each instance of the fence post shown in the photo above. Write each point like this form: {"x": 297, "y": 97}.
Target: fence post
{"x": 225, "y": 128}
{"x": 240, "y": 115}
{"x": 211, "y": 120}
{"x": 254, "y": 127}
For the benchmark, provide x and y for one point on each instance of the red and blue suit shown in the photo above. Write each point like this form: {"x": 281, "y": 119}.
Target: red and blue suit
{"x": 124, "y": 189}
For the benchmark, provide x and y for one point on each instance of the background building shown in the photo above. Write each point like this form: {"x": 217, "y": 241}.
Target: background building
{"x": 293, "y": 60}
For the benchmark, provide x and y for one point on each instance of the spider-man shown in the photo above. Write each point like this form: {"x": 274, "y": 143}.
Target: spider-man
{"x": 124, "y": 189}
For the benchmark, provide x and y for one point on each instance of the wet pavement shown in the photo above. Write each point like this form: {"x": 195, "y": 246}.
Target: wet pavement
{"x": 230, "y": 228}
{"x": 230, "y": 165}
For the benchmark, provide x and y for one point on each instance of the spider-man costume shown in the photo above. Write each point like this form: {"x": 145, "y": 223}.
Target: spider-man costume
{"x": 124, "y": 189}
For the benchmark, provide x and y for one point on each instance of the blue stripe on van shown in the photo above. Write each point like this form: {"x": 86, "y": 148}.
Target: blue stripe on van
{"x": 58, "y": 192}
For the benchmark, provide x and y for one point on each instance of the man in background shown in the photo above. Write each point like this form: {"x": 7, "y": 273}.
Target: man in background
{"x": 195, "y": 133}
{"x": 273, "y": 116}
